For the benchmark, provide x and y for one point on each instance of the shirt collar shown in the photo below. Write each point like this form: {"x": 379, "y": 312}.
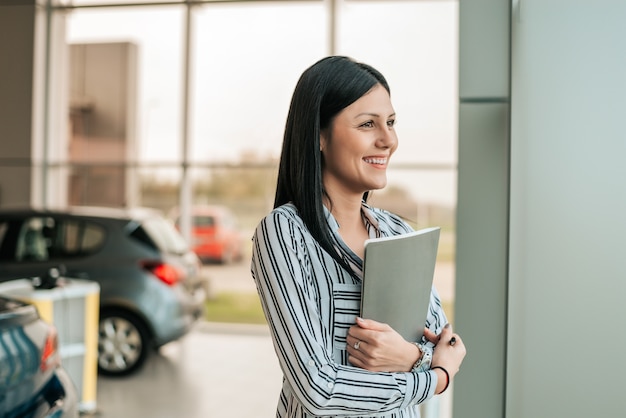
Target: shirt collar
{"x": 371, "y": 222}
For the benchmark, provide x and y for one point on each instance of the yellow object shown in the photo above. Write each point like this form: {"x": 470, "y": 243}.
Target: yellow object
{"x": 90, "y": 373}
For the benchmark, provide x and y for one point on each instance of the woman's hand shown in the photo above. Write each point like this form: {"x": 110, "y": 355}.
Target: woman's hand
{"x": 431, "y": 336}
{"x": 449, "y": 353}
{"x": 377, "y": 347}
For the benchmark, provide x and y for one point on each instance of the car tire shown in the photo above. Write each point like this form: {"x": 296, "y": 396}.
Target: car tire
{"x": 123, "y": 343}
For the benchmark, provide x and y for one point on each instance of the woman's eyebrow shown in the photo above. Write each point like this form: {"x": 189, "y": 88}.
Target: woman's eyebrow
{"x": 376, "y": 115}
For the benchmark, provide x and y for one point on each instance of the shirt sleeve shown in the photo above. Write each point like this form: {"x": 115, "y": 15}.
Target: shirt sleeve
{"x": 303, "y": 342}
{"x": 436, "y": 318}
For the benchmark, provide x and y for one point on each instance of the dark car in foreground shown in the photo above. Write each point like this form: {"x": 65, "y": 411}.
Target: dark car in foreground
{"x": 151, "y": 288}
{"x": 33, "y": 384}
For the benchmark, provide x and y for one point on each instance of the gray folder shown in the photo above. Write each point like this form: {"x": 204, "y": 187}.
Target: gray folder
{"x": 398, "y": 275}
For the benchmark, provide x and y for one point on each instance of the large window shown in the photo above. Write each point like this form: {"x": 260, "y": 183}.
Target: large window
{"x": 213, "y": 90}
{"x": 108, "y": 78}
{"x": 183, "y": 103}
{"x": 246, "y": 61}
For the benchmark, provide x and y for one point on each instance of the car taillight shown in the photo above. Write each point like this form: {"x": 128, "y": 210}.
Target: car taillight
{"x": 50, "y": 356}
{"x": 167, "y": 273}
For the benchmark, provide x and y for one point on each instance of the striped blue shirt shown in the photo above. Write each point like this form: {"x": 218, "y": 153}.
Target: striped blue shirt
{"x": 310, "y": 302}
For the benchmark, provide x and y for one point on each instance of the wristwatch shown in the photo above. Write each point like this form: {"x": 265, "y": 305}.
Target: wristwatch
{"x": 423, "y": 363}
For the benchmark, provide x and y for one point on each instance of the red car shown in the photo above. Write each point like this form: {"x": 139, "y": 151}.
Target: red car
{"x": 215, "y": 233}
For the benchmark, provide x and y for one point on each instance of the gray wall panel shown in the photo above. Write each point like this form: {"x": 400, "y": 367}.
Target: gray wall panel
{"x": 484, "y": 49}
{"x": 568, "y": 202}
{"x": 481, "y": 269}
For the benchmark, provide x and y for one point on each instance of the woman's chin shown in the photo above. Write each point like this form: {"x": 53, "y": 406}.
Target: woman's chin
{"x": 379, "y": 185}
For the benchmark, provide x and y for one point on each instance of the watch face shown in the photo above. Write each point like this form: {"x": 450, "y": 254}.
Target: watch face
{"x": 426, "y": 359}
{"x": 423, "y": 363}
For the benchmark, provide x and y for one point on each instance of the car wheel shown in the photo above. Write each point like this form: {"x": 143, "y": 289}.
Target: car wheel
{"x": 123, "y": 343}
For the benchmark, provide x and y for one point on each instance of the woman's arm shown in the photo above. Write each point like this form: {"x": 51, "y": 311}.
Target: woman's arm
{"x": 383, "y": 349}
{"x": 376, "y": 346}
{"x": 287, "y": 275}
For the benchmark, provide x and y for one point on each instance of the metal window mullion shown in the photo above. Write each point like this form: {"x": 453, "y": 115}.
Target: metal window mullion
{"x": 185, "y": 198}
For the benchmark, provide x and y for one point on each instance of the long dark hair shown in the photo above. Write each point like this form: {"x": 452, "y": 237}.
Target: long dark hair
{"x": 324, "y": 89}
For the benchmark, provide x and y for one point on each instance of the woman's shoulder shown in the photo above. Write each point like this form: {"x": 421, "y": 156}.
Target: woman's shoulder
{"x": 287, "y": 211}
{"x": 284, "y": 214}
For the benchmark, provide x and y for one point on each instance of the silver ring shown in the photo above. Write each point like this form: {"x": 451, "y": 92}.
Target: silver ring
{"x": 357, "y": 344}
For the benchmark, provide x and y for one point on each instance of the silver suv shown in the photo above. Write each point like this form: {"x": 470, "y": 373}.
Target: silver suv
{"x": 151, "y": 287}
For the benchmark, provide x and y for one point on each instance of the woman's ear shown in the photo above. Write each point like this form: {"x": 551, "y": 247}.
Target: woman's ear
{"x": 323, "y": 140}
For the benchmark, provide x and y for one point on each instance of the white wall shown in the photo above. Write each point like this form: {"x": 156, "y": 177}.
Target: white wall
{"x": 567, "y": 271}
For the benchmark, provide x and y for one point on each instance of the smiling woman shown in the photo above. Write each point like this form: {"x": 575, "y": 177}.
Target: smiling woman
{"x": 307, "y": 258}
{"x": 366, "y": 140}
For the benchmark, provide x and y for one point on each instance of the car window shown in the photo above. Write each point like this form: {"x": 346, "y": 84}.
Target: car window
{"x": 77, "y": 238}
{"x": 203, "y": 221}
{"x": 164, "y": 235}
{"x": 93, "y": 237}
{"x": 43, "y": 238}
{"x": 139, "y": 234}
{"x": 4, "y": 227}
{"x": 3, "y": 230}
{"x": 32, "y": 244}
{"x": 9, "y": 231}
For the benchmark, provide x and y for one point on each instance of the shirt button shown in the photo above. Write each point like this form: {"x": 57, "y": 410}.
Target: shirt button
{"x": 311, "y": 363}
{"x": 330, "y": 385}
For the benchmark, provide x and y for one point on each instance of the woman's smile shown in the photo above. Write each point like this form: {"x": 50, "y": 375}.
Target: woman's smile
{"x": 378, "y": 162}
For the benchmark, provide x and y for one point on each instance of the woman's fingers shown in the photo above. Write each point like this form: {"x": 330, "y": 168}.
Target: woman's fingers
{"x": 431, "y": 336}
{"x": 372, "y": 325}
{"x": 358, "y": 352}
{"x": 354, "y": 343}
{"x": 368, "y": 330}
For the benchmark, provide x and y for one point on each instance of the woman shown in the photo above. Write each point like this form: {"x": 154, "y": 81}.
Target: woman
{"x": 308, "y": 252}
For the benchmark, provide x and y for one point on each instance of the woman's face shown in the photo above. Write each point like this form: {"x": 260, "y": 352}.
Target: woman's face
{"x": 358, "y": 144}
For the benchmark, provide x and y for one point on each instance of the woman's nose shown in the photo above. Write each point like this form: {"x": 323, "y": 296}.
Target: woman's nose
{"x": 387, "y": 138}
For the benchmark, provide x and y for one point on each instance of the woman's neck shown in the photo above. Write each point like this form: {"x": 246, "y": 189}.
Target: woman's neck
{"x": 347, "y": 213}
{"x": 345, "y": 209}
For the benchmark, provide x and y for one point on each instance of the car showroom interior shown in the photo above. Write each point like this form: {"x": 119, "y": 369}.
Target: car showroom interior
{"x": 140, "y": 146}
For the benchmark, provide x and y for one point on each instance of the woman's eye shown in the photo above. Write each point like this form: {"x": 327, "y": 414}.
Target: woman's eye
{"x": 391, "y": 123}
{"x": 368, "y": 124}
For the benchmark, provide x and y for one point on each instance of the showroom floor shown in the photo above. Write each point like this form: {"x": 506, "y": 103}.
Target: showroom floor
{"x": 215, "y": 371}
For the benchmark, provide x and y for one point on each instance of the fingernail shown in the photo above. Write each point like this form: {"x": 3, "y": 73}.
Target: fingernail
{"x": 447, "y": 325}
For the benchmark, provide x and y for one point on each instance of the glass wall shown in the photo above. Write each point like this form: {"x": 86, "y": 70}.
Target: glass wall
{"x": 176, "y": 104}
{"x": 213, "y": 90}
{"x": 156, "y": 36}
{"x": 247, "y": 58}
